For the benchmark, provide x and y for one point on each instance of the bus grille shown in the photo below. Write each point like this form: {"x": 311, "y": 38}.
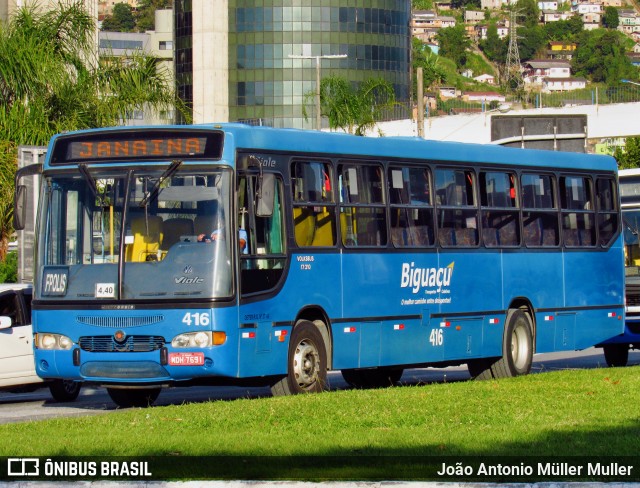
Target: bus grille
{"x": 120, "y": 322}
{"x": 633, "y": 295}
{"x": 130, "y": 344}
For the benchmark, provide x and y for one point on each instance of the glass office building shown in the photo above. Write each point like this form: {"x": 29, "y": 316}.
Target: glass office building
{"x": 268, "y": 82}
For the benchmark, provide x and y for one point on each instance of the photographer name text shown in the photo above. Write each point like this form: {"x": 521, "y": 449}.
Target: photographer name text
{"x": 538, "y": 469}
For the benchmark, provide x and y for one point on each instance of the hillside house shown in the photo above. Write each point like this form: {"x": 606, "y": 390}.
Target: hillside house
{"x": 562, "y": 84}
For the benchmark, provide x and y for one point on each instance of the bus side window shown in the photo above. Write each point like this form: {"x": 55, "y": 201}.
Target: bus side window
{"x": 263, "y": 262}
{"x": 578, "y": 215}
{"x": 363, "y": 219}
{"x": 457, "y": 212}
{"x": 411, "y": 207}
{"x": 500, "y": 213}
{"x": 540, "y": 211}
{"x": 607, "y": 210}
{"x": 313, "y": 203}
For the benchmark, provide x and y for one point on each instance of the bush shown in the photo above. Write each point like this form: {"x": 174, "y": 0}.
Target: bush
{"x": 9, "y": 268}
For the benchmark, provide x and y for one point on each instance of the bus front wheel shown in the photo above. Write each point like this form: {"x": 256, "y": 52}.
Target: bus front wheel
{"x": 306, "y": 363}
{"x": 64, "y": 390}
{"x": 134, "y": 397}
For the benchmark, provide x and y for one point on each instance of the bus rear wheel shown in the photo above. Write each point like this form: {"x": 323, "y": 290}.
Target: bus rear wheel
{"x": 306, "y": 363}
{"x": 134, "y": 397}
{"x": 616, "y": 354}
{"x": 517, "y": 350}
{"x": 372, "y": 378}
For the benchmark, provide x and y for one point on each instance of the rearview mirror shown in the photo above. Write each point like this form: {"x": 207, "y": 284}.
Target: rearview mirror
{"x": 20, "y": 208}
{"x": 266, "y": 197}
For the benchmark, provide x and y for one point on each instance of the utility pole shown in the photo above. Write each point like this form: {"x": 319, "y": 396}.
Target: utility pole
{"x": 514, "y": 79}
{"x": 318, "y": 58}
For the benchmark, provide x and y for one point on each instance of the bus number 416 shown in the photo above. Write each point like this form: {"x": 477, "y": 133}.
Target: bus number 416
{"x": 436, "y": 337}
{"x": 196, "y": 319}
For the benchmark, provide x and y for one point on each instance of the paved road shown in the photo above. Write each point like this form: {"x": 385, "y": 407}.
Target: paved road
{"x": 38, "y": 405}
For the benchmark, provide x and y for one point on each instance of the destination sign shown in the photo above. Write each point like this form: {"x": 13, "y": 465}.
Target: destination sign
{"x": 114, "y": 146}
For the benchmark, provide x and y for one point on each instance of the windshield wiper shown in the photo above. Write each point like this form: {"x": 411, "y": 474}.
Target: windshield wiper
{"x": 151, "y": 195}
{"x": 90, "y": 181}
{"x": 633, "y": 230}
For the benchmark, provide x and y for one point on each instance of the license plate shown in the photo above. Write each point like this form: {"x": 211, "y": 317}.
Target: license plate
{"x": 186, "y": 359}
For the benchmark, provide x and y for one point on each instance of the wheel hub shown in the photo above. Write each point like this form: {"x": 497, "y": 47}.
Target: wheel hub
{"x": 306, "y": 364}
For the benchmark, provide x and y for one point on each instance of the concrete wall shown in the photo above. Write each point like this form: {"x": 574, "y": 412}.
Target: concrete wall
{"x": 616, "y": 120}
{"x": 211, "y": 70}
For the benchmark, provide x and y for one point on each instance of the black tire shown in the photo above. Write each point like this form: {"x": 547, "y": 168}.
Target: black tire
{"x": 65, "y": 390}
{"x": 517, "y": 351}
{"x": 306, "y": 362}
{"x": 616, "y": 355}
{"x": 372, "y": 378}
{"x": 517, "y": 347}
{"x": 480, "y": 369}
{"x": 134, "y": 397}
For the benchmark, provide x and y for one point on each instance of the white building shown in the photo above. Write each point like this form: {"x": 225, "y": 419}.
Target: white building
{"x": 481, "y": 31}
{"x": 587, "y": 8}
{"x": 535, "y": 71}
{"x": 563, "y": 84}
{"x": 554, "y": 16}
{"x": 157, "y": 44}
{"x": 491, "y": 4}
{"x": 547, "y": 5}
{"x": 484, "y": 97}
{"x": 473, "y": 16}
{"x": 486, "y": 78}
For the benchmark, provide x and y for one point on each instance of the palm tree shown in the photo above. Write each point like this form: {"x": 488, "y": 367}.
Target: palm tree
{"x": 51, "y": 81}
{"x": 353, "y": 110}
{"x": 7, "y": 169}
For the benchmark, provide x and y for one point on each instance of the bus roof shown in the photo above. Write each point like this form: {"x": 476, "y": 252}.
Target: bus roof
{"x": 241, "y": 136}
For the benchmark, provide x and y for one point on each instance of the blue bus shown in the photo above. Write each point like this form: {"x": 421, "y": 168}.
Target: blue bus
{"x": 616, "y": 350}
{"x": 213, "y": 254}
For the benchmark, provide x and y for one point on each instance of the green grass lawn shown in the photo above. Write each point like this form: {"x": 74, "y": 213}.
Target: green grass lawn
{"x": 589, "y": 412}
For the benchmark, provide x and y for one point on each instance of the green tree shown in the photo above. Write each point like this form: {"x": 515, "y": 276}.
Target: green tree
{"x": 8, "y": 152}
{"x": 530, "y": 11}
{"x": 600, "y": 57}
{"x": 454, "y": 44}
{"x": 576, "y": 24}
{"x": 145, "y": 13}
{"x": 422, "y": 4}
{"x": 629, "y": 157}
{"x": 467, "y": 4}
{"x": 120, "y": 20}
{"x": 433, "y": 73}
{"x": 9, "y": 268}
{"x": 531, "y": 40}
{"x": 564, "y": 30}
{"x": 51, "y": 81}
{"x": 493, "y": 47}
{"x": 354, "y": 110}
{"x": 610, "y": 18}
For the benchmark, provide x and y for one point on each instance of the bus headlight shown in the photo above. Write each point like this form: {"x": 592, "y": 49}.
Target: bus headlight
{"x": 53, "y": 342}
{"x": 199, "y": 339}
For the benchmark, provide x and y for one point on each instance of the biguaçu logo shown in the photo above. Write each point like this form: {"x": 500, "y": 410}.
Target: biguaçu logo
{"x": 432, "y": 279}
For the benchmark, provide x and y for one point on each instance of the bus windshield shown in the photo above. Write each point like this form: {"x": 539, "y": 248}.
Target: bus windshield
{"x": 140, "y": 234}
{"x": 631, "y": 219}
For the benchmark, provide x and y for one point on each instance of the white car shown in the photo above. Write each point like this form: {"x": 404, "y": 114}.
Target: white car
{"x": 17, "y": 368}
